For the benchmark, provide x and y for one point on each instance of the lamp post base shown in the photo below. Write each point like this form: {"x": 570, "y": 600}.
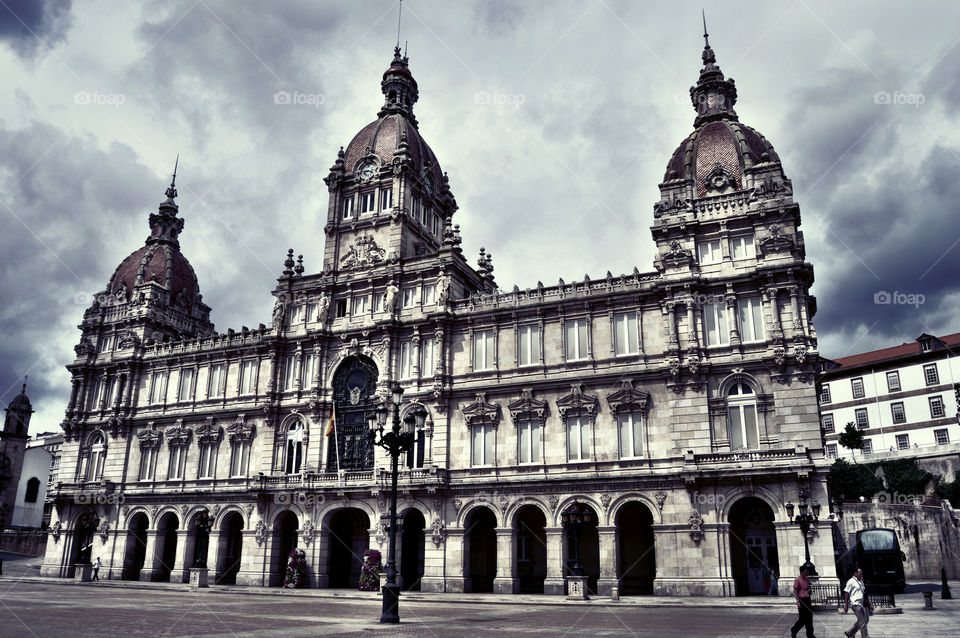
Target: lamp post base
{"x": 391, "y": 604}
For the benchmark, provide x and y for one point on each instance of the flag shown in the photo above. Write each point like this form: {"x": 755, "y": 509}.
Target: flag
{"x": 332, "y": 424}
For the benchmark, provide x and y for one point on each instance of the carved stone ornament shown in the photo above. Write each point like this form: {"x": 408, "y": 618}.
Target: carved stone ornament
{"x": 261, "y": 532}
{"x": 177, "y": 435}
{"x": 55, "y": 531}
{"x": 780, "y": 355}
{"x": 103, "y": 530}
{"x": 457, "y": 504}
{"x": 438, "y": 532}
{"x": 208, "y": 432}
{"x": 241, "y": 431}
{"x": 719, "y": 180}
{"x": 696, "y": 527}
{"x": 84, "y": 347}
{"x": 363, "y": 254}
{"x": 128, "y": 340}
{"x": 776, "y": 241}
{"x": 661, "y": 497}
{"x": 526, "y": 408}
{"x": 307, "y": 532}
{"x": 676, "y": 257}
{"x": 800, "y": 352}
{"x": 554, "y": 501}
{"x": 577, "y": 403}
{"x": 481, "y": 412}
{"x": 605, "y": 500}
{"x": 150, "y": 438}
{"x": 673, "y": 364}
{"x": 693, "y": 363}
{"x": 628, "y": 399}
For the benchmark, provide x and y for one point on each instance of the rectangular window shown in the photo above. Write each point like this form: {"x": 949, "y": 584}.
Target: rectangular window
{"x": 425, "y": 217}
{"x": 386, "y": 199}
{"x": 742, "y": 247}
{"x": 742, "y": 422}
{"x": 238, "y": 454}
{"x": 750, "y": 317}
{"x": 481, "y": 448}
{"x": 429, "y": 294}
{"x": 631, "y": 434}
{"x": 341, "y": 308}
{"x": 825, "y": 393}
{"x": 312, "y": 309}
{"x": 715, "y": 324}
{"x": 368, "y": 202}
{"x": 926, "y": 345}
{"x": 903, "y": 441}
{"x": 359, "y": 306}
{"x": 578, "y": 438}
{"x": 427, "y": 356}
{"x": 159, "y": 387}
{"x": 576, "y": 337}
{"x": 937, "y": 410}
{"x": 828, "y": 426}
{"x": 861, "y": 418}
{"x": 930, "y": 374}
{"x": 415, "y": 209}
{"x": 216, "y": 380}
{"x": 831, "y": 451}
{"x": 867, "y": 446}
{"x": 309, "y": 369}
{"x": 942, "y": 436}
{"x": 625, "y": 333}
{"x": 709, "y": 252}
{"x": 248, "y": 377}
{"x": 295, "y": 315}
{"x": 893, "y": 381}
{"x": 148, "y": 455}
{"x": 483, "y": 350}
{"x": 206, "y": 461}
{"x": 437, "y": 225}
{"x": 98, "y": 389}
{"x": 528, "y": 441}
{"x": 177, "y": 457}
{"x": 856, "y": 385}
{"x": 106, "y": 344}
{"x": 409, "y": 297}
{"x": 405, "y": 365}
{"x": 348, "y": 208}
{"x": 289, "y": 372}
{"x": 529, "y": 345}
{"x": 896, "y": 409}
{"x": 378, "y": 301}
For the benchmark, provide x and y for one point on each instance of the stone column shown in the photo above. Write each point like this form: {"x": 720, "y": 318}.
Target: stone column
{"x": 553, "y": 583}
{"x": 609, "y": 562}
{"x": 252, "y": 560}
{"x": 146, "y": 574}
{"x": 506, "y": 581}
{"x": 180, "y": 570}
{"x": 771, "y": 297}
{"x": 731, "y": 301}
{"x": 321, "y": 539}
{"x": 692, "y": 340}
{"x": 433, "y": 563}
{"x": 457, "y": 567}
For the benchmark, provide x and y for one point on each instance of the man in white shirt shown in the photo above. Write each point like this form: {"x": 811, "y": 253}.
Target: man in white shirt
{"x": 855, "y": 594}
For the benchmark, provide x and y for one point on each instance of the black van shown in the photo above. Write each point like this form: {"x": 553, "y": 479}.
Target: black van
{"x": 879, "y": 555}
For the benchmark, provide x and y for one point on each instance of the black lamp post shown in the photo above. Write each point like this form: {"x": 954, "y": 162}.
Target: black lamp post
{"x": 804, "y": 520}
{"x": 576, "y": 517}
{"x": 396, "y": 441}
{"x": 202, "y": 524}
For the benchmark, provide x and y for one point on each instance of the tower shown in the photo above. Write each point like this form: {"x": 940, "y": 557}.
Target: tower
{"x": 13, "y": 443}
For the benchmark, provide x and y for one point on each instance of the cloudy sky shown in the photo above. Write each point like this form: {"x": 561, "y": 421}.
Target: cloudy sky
{"x": 555, "y": 121}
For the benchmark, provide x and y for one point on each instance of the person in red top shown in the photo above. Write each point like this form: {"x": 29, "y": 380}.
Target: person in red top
{"x": 801, "y": 591}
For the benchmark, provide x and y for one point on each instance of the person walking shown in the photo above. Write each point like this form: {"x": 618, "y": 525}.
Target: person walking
{"x": 96, "y": 569}
{"x": 855, "y": 595}
{"x": 801, "y": 591}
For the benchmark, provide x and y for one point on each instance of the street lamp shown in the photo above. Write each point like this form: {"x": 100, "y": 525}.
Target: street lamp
{"x": 576, "y": 517}
{"x": 804, "y": 520}
{"x": 396, "y": 441}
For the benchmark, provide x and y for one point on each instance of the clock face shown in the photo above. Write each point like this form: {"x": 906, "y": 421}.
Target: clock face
{"x": 367, "y": 171}
{"x": 428, "y": 184}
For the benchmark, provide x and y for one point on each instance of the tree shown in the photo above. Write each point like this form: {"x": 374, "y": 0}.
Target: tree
{"x": 851, "y": 438}
{"x": 850, "y": 480}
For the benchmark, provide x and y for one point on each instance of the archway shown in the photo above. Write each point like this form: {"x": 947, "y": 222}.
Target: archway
{"x": 531, "y": 549}
{"x": 583, "y": 545}
{"x": 638, "y": 565}
{"x": 284, "y": 541}
{"x": 83, "y": 532}
{"x": 349, "y": 538}
{"x": 136, "y": 548}
{"x": 166, "y": 547}
{"x": 354, "y": 386}
{"x": 480, "y": 553}
{"x": 753, "y": 545}
{"x": 230, "y": 550}
{"x": 412, "y": 549}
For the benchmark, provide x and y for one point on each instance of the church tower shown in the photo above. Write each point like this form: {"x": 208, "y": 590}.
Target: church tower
{"x": 13, "y": 443}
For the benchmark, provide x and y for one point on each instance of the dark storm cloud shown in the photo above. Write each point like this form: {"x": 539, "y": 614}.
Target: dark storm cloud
{"x": 28, "y": 25}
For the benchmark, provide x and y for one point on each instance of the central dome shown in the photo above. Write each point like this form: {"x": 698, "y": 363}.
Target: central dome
{"x": 384, "y": 136}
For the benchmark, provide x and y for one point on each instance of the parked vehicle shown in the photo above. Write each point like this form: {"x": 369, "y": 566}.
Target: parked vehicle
{"x": 879, "y": 555}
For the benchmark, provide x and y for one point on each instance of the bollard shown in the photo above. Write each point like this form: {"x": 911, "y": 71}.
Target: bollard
{"x": 928, "y": 601}
{"x": 615, "y": 593}
{"x": 1, "y": 567}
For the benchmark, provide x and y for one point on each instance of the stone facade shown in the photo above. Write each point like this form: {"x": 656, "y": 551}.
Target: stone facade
{"x": 677, "y": 408}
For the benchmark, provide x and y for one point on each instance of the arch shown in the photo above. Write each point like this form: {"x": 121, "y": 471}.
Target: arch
{"x": 729, "y": 498}
{"x": 168, "y": 526}
{"x": 753, "y": 545}
{"x": 636, "y": 565}
{"x": 223, "y": 513}
{"x": 579, "y": 498}
{"x": 467, "y": 508}
{"x": 404, "y": 508}
{"x": 738, "y": 377}
{"x": 285, "y": 534}
{"x": 348, "y": 538}
{"x": 480, "y": 549}
{"x": 583, "y": 545}
{"x": 32, "y": 491}
{"x": 530, "y": 548}
{"x": 135, "y": 551}
{"x": 292, "y": 509}
{"x": 513, "y": 511}
{"x": 137, "y": 509}
{"x": 354, "y": 389}
{"x": 338, "y": 361}
{"x": 328, "y": 511}
{"x": 633, "y": 497}
{"x": 230, "y": 547}
{"x": 412, "y": 548}
{"x": 163, "y": 511}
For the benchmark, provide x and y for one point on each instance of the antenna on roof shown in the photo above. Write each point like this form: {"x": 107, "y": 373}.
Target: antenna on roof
{"x": 706, "y": 35}
{"x": 405, "y": 48}
{"x": 24, "y": 390}
{"x": 399, "y": 15}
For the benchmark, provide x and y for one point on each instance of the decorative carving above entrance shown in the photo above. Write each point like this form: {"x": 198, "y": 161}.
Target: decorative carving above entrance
{"x": 363, "y": 254}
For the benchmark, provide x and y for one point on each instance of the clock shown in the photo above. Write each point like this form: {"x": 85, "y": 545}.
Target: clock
{"x": 428, "y": 184}
{"x": 367, "y": 171}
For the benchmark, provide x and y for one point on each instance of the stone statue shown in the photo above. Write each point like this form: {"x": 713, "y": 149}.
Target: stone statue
{"x": 278, "y": 312}
{"x": 443, "y": 289}
{"x": 121, "y": 293}
{"x": 390, "y": 300}
{"x": 323, "y": 308}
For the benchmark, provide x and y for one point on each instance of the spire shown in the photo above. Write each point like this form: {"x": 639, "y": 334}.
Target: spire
{"x": 399, "y": 88}
{"x": 165, "y": 226}
{"x": 713, "y": 96}
{"x": 172, "y": 190}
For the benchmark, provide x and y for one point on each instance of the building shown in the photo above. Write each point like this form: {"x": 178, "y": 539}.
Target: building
{"x": 13, "y": 446}
{"x": 34, "y": 482}
{"x": 677, "y": 408}
{"x": 904, "y": 398}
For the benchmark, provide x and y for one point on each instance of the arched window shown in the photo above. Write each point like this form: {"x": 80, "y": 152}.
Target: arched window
{"x": 742, "y": 417}
{"x": 294, "y": 450}
{"x": 97, "y": 455}
{"x": 33, "y": 489}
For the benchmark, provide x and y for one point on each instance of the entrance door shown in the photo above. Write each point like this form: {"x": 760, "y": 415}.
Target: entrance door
{"x": 761, "y": 561}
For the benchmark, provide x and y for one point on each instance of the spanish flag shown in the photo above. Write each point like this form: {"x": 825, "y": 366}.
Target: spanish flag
{"x": 332, "y": 424}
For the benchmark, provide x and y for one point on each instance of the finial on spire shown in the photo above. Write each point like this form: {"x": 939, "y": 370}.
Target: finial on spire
{"x": 172, "y": 190}
{"x": 706, "y": 36}
{"x": 23, "y": 390}
{"x": 399, "y": 15}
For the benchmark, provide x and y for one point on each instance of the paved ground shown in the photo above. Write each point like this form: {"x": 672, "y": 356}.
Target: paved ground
{"x": 54, "y": 607}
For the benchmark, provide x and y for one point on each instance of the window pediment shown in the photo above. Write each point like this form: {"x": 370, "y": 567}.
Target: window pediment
{"x": 178, "y": 435}
{"x": 526, "y": 408}
{"x": 577, "y": 403}
{"x": 151, "y": 437}
{"x": 481, "y": 412}
{"x": 241, "y": 431}
{"x": 209, "y": 432}
{"x": 628, "y": 399}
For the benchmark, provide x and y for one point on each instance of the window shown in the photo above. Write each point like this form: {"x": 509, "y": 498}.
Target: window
{"x": 216, "y": 380}
{"x": 312, "y": 309}
{"x": 856, "y": 385}
{"x": 578, "y": 438}
{"x": 861, "y": 418}
{"x": 186, "y": 384}
{"x": 942, "y": 436}
{"x": 294, "y": 447}
{"x": 529, "y": 345}
{"x": 148, "y": 458}
{"x": 715, "y": 324}
{"x": 295, "y": 315}
{"x": 248, "y": 377}
{"x": 896, "y": 409}
{"x": 631, "y": 434}
{"x": 528, "y": 441}
{"x": 386, "y": 199}
{"x": 309, "y": 370}
{"x": 926, "y": 345}
{"x": 98, "y": 393}
{"x": 289, "y": 372}
{"x": 867, "y": 446}
{"x": 178, "y": 455}
{"x": 481, "y": 448}
{"x": 348, "y": 208}
{"x": 409, "y": 297}
{"x": 576, "y": 337}
{"x": 831, "y": 451}
{"x": 427, "y": 356}
{"x": 930, "y": 374}
{"x": 429, "y": 294}
{"x": 33, "y": 490}
{"x": 742, "y": 417}
{"x": 106, "y": 344}
{"x": 825, "y": 393}
{"x": 483, "y": 355}
{"x": 378, "y": 301}
{"x": 893, "y": 381}
{"x": 437, "y": 225}
{"x": 425, "y": 216}
{"x": 625, "y": 333}
{"x": 742, "y": 247}
{"x": 207, "y": 459}
{"x": 937, "y": 410}
{"x": 709, "y": 252}
{"x": 368, "y": 202}
{"x": 903, "y": 441}
{"x": 828, "y": 426}
{"x": 415, "y": 209}
{"x": 750, "y": 318}
{"x": 238, "y": 458}
{"x": 341, "y": 308}
{"x": 159, "y": 388}
{"x": 405, "y": 364}
{"x": 359, "y": 306}
{"x": 97, "y": 455}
